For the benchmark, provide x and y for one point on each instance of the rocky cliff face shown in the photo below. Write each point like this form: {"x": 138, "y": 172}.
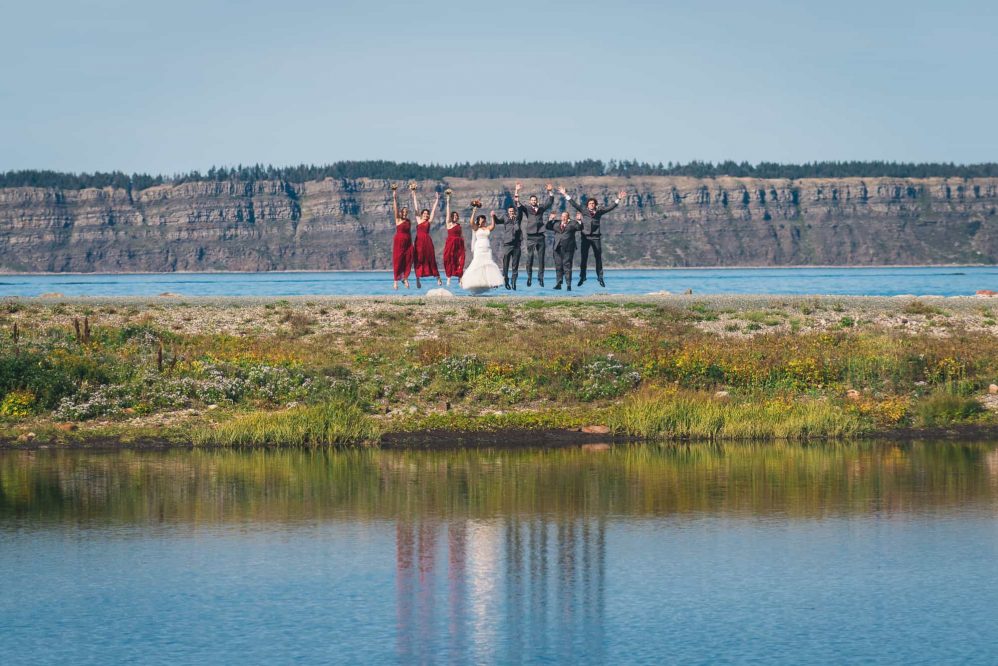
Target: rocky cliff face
{"x": 333, "y": 224}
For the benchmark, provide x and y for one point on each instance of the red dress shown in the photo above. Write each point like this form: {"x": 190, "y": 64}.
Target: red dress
{"x": 454, "y": 252}
{"x": 402, "y": 250}
{"x": 424, "y": 256}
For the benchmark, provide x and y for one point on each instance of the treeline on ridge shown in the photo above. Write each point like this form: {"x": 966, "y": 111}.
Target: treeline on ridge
{"x": 381, "y": 169}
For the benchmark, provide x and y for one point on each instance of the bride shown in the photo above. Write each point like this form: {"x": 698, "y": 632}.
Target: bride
{"x": 483, "y": 272}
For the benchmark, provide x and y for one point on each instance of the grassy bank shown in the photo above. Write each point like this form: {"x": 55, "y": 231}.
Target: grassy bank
{"x": 348, "y": 371}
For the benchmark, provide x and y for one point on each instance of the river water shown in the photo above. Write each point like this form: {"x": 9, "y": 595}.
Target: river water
{"x": 889, "y": 281}
{"x": 770, "y": 554}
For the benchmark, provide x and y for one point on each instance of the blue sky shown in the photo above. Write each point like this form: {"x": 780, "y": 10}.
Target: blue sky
{"x": 170, "y": 87}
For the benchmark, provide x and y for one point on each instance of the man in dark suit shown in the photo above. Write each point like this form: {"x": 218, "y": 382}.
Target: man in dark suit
{"x": 512, "y": 235}
{"x": 533, "y": 226}
{"x": 564, "y": 245}
{"x": 592, "y": 216}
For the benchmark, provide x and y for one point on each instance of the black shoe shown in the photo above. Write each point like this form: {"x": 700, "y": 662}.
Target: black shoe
{"x": 601, "y": 283}
{"x": 570, "y": 286}
{"x": 507, "y": 283}
{"x": 529, "y": 281}
{"x": 540, "y": 281}
{"x": 581, "y": 280}
{"x": 514, "y": 285}
{"x": 558, "y": 286}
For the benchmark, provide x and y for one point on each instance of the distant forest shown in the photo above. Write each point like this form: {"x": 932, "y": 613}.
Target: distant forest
{"x": 385, "y": 170}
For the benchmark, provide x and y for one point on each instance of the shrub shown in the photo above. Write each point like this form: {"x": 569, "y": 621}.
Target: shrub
{"x": 460, "y": 368}
{"x": 944, "y": 408}
{"x": 329, "y": 423}
{"x": 604, "y": 377}
{"x": 17, "y": 404}
{"x": 699, "y": 416}
{"x": 49, "y": 382}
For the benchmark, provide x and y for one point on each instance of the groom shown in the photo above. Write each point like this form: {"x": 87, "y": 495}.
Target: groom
{"x": 533, "y": 225}
{"x": 512, "y": 234}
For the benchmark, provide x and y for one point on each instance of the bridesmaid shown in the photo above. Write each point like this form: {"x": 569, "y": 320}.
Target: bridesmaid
{"x": 454, "y": 247}
{"x": 423, "y": 253}
{"x": 402, "y": 244}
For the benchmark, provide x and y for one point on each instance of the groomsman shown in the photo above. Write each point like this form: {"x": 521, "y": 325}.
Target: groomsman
{"x": 512, "y": 235}
{"x": 592, "y": 215}
{"x": 533, "y": 226}
{"x": 564, "y": 245}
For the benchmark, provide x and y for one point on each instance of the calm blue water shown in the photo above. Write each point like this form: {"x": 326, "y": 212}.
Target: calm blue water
{"x": 851, "y": 554}
{"x": 941, "y": 281}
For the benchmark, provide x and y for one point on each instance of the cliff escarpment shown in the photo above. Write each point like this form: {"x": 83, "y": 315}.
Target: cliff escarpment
{"x": 346, "y": 224}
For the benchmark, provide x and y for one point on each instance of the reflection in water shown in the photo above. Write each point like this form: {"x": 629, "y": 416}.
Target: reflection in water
{"x": 201, "y": 487}
{"x": 637, "y": 554}
{"x": 504, "y": 600}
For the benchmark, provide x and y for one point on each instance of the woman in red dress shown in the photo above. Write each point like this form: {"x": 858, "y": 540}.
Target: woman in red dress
{"x": 454, "y": 247}
{"x": 402, "y": 244}
{"x": 424, "y": 255}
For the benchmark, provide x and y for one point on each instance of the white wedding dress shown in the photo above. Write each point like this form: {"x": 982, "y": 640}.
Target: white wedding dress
{"x": 483, "y": 273}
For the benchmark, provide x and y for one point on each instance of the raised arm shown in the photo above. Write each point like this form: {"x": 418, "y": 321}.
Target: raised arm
{"x": 415, "y": 204}
{"x": 570, "y": 200}
{"x": 395, "y": 203}
{"x": 516, "y": 197}
{"x": 433, "y": 211}
{"x": 447, "y": 215}
{"x": 493, "y": 216}
{"x": 616, "y": 202}
{"x": 550, "y": 201}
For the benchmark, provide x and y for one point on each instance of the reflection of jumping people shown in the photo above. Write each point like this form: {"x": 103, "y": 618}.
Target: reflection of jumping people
{"x": 483, "y": 273}
{"x": 564, "y": 245}
{"x": 592, "y": 215}
{"x": 512, "y": 235}
{"x": 454, "y": 255}
{"x": 533, "y": 226}
{"x": 424, "y": 254}
{"x": 401, "y": 243}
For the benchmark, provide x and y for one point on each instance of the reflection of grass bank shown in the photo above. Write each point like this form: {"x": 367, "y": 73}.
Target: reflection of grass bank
{"x": 259, "y": 373}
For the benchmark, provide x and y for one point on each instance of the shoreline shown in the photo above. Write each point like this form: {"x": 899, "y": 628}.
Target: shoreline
{"x": 609, "y": 268}
{"x": 509, "y": 439}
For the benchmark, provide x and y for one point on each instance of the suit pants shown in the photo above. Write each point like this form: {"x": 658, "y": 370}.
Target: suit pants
{"x": 510, "y": 256}
{"x": 536, "y": 246}
{"x": 563, "y": 257}
{"x": 594, "y": 243}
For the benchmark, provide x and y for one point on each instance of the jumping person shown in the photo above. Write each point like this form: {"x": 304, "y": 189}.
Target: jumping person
{"x": 533, "y": 226}
{"x": 512, "y": 234}
{"x": 454, "y": 253}
{"x": 483, "y": 272}
{"x": 424, "y": 254}
{"x": 401, "y": 243}
{"x": 564, "y": 246}
{"x": 592, "y": 215}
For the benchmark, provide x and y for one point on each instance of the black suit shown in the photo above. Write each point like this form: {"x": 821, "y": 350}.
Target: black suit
{"x": 564, "y": 248}
{"x": 512, "y": 236}
{"x": 591, "y": 238}
{"x": 533, "y": 225}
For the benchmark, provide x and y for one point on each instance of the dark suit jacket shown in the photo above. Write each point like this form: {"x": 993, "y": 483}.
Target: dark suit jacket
{"x": 590, "y": 220}
{"x": 564, "y": 239}
{"x": 533, "y": 221}
{"x": 512, "y": 233}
